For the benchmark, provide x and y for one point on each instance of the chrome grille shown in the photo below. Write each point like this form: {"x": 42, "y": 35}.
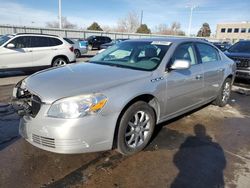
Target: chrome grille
{"x": 44, "y": 141}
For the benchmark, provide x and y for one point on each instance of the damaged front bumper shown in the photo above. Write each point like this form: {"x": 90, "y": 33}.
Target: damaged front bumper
{"x": 88, "y": 134}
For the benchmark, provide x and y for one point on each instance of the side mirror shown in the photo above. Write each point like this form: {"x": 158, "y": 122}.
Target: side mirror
{"x": 10, "y": 45}
{"x": 180, "y": 64}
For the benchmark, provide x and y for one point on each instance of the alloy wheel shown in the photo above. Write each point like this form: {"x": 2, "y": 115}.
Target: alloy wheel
{"x": 59, "y": 62}
{"x": 226, "y": 92}
{"x": 137, "y": 129}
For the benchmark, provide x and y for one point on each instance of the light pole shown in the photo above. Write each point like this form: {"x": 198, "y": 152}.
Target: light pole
{"x": 60, "y": 13}
{"x": 141, "y": 17}
{"x": 192, "y": 7}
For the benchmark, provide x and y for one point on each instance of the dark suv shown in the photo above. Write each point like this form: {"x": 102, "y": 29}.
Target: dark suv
{"x": 97, "y": 41}
{"x": 240, "y": 53}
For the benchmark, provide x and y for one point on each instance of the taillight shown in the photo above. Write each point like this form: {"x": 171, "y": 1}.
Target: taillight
{"x": 71, "y": 49}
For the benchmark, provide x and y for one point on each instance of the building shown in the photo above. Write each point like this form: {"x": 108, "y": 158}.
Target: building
{"x": 233, "y": 32}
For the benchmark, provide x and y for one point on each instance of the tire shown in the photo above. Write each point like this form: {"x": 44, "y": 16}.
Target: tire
{"x": 224, "y": 93}
{"x": 134, "y": 135}
{"x": 59, "y": 61}
{"x": 77, "y": 53}
{"x": 90, "y": 47}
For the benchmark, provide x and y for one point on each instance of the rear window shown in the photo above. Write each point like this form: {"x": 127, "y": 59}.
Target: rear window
{"x": 68, "y": 40}
{"x": 207, "y": 53}
{"x": 55, "y": 42}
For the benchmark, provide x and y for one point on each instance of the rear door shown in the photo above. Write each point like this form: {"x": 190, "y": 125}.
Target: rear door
{"x": 213, "y": 68}
{"x": 18, "y": 57}
{"x": 43, "y": 50}
{"x": 184, "y": 87}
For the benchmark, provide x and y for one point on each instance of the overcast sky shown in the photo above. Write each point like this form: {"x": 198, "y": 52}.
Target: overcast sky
{"x": 107, "y": 12}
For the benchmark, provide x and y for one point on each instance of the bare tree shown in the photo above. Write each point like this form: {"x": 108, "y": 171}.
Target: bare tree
{"x": 107, "y": 28}
{"x": 129, "y": 23}
{"x": 174, "y": 29}
{"x": 65, "y": 24}
{"x": 162, "y": 29}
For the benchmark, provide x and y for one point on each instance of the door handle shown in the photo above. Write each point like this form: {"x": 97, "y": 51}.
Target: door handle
{"x": 30, "y": 50}
{"x": 54, "y": 48}
{"x": 198, "y": 77}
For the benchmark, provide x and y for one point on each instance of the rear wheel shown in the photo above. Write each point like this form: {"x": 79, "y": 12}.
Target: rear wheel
{"x": 135, "y": 128}
{"x": 77, "y": 53}
{"x": 224, "y": 94}
{"x": 59, "y": 61}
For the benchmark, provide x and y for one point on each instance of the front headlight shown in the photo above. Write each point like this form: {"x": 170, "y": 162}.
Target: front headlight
{"x": 78, "y": 106}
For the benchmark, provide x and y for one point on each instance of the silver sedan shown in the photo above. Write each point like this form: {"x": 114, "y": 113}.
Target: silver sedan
{"x": 117, "y": 99}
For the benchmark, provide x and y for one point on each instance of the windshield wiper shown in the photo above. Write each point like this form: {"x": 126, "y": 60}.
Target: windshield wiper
{"x": 109, "y": 64}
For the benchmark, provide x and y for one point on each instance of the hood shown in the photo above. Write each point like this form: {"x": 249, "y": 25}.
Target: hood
{"x": 78, "y": 79}
{"x": 237, "y": 54}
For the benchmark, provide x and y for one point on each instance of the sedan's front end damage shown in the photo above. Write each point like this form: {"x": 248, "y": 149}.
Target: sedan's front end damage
{"x": 58, "y": 134}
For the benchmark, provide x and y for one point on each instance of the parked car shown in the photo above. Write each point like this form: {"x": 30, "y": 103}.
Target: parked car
{"x": 117, "y": 99}
{"x": 24, "y": 50}
{"x": 240, "y": 53}
{"x": 97, "y": 41}
{"x": 116, "y": 41}
{"x": 80, "y": 47}
{"x": 223, "y": 46}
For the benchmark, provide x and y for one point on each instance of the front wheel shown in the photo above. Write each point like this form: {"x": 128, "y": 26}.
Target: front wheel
{"x": 224, "y": 93}
{"x": 135, "y": 128}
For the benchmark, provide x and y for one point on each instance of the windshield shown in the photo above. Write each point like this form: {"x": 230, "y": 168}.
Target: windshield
{"x": 4, "y": 39}
{"x": 243, "y": 47}
{"x": 138, "y": 55}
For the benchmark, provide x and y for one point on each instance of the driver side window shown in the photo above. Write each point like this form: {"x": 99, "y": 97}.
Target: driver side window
{"x": 185, "y": 52}
{"x": 21, "y": 42}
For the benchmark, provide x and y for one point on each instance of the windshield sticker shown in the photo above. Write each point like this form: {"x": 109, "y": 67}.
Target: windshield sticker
{"x": 161, "y": 43}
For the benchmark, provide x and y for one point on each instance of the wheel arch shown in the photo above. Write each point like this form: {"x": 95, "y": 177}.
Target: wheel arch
{"x": 230, "y": 76}
{"x": 148, "y": 98}
{"x": 58, "y": 56}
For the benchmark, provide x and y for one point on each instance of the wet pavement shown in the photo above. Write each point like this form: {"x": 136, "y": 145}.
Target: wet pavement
{"x": 209, "y": 147}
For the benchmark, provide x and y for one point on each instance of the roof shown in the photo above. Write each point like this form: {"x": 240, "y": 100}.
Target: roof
{"x": 170, "y": 39}
{"x": 36, "y": 34}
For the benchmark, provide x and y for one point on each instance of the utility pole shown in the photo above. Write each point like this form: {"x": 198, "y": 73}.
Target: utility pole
{"x": 141, "y": 16}
{"x": 192, "y": 7}
{"x": 60, "y": 13}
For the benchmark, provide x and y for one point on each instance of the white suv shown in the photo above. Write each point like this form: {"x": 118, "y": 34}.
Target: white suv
{"x": 25, "y": 50}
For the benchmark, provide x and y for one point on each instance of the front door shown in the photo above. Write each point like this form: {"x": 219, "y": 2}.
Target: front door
{"x": 18, "y": 57}
{"x": 184, "y": 87}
